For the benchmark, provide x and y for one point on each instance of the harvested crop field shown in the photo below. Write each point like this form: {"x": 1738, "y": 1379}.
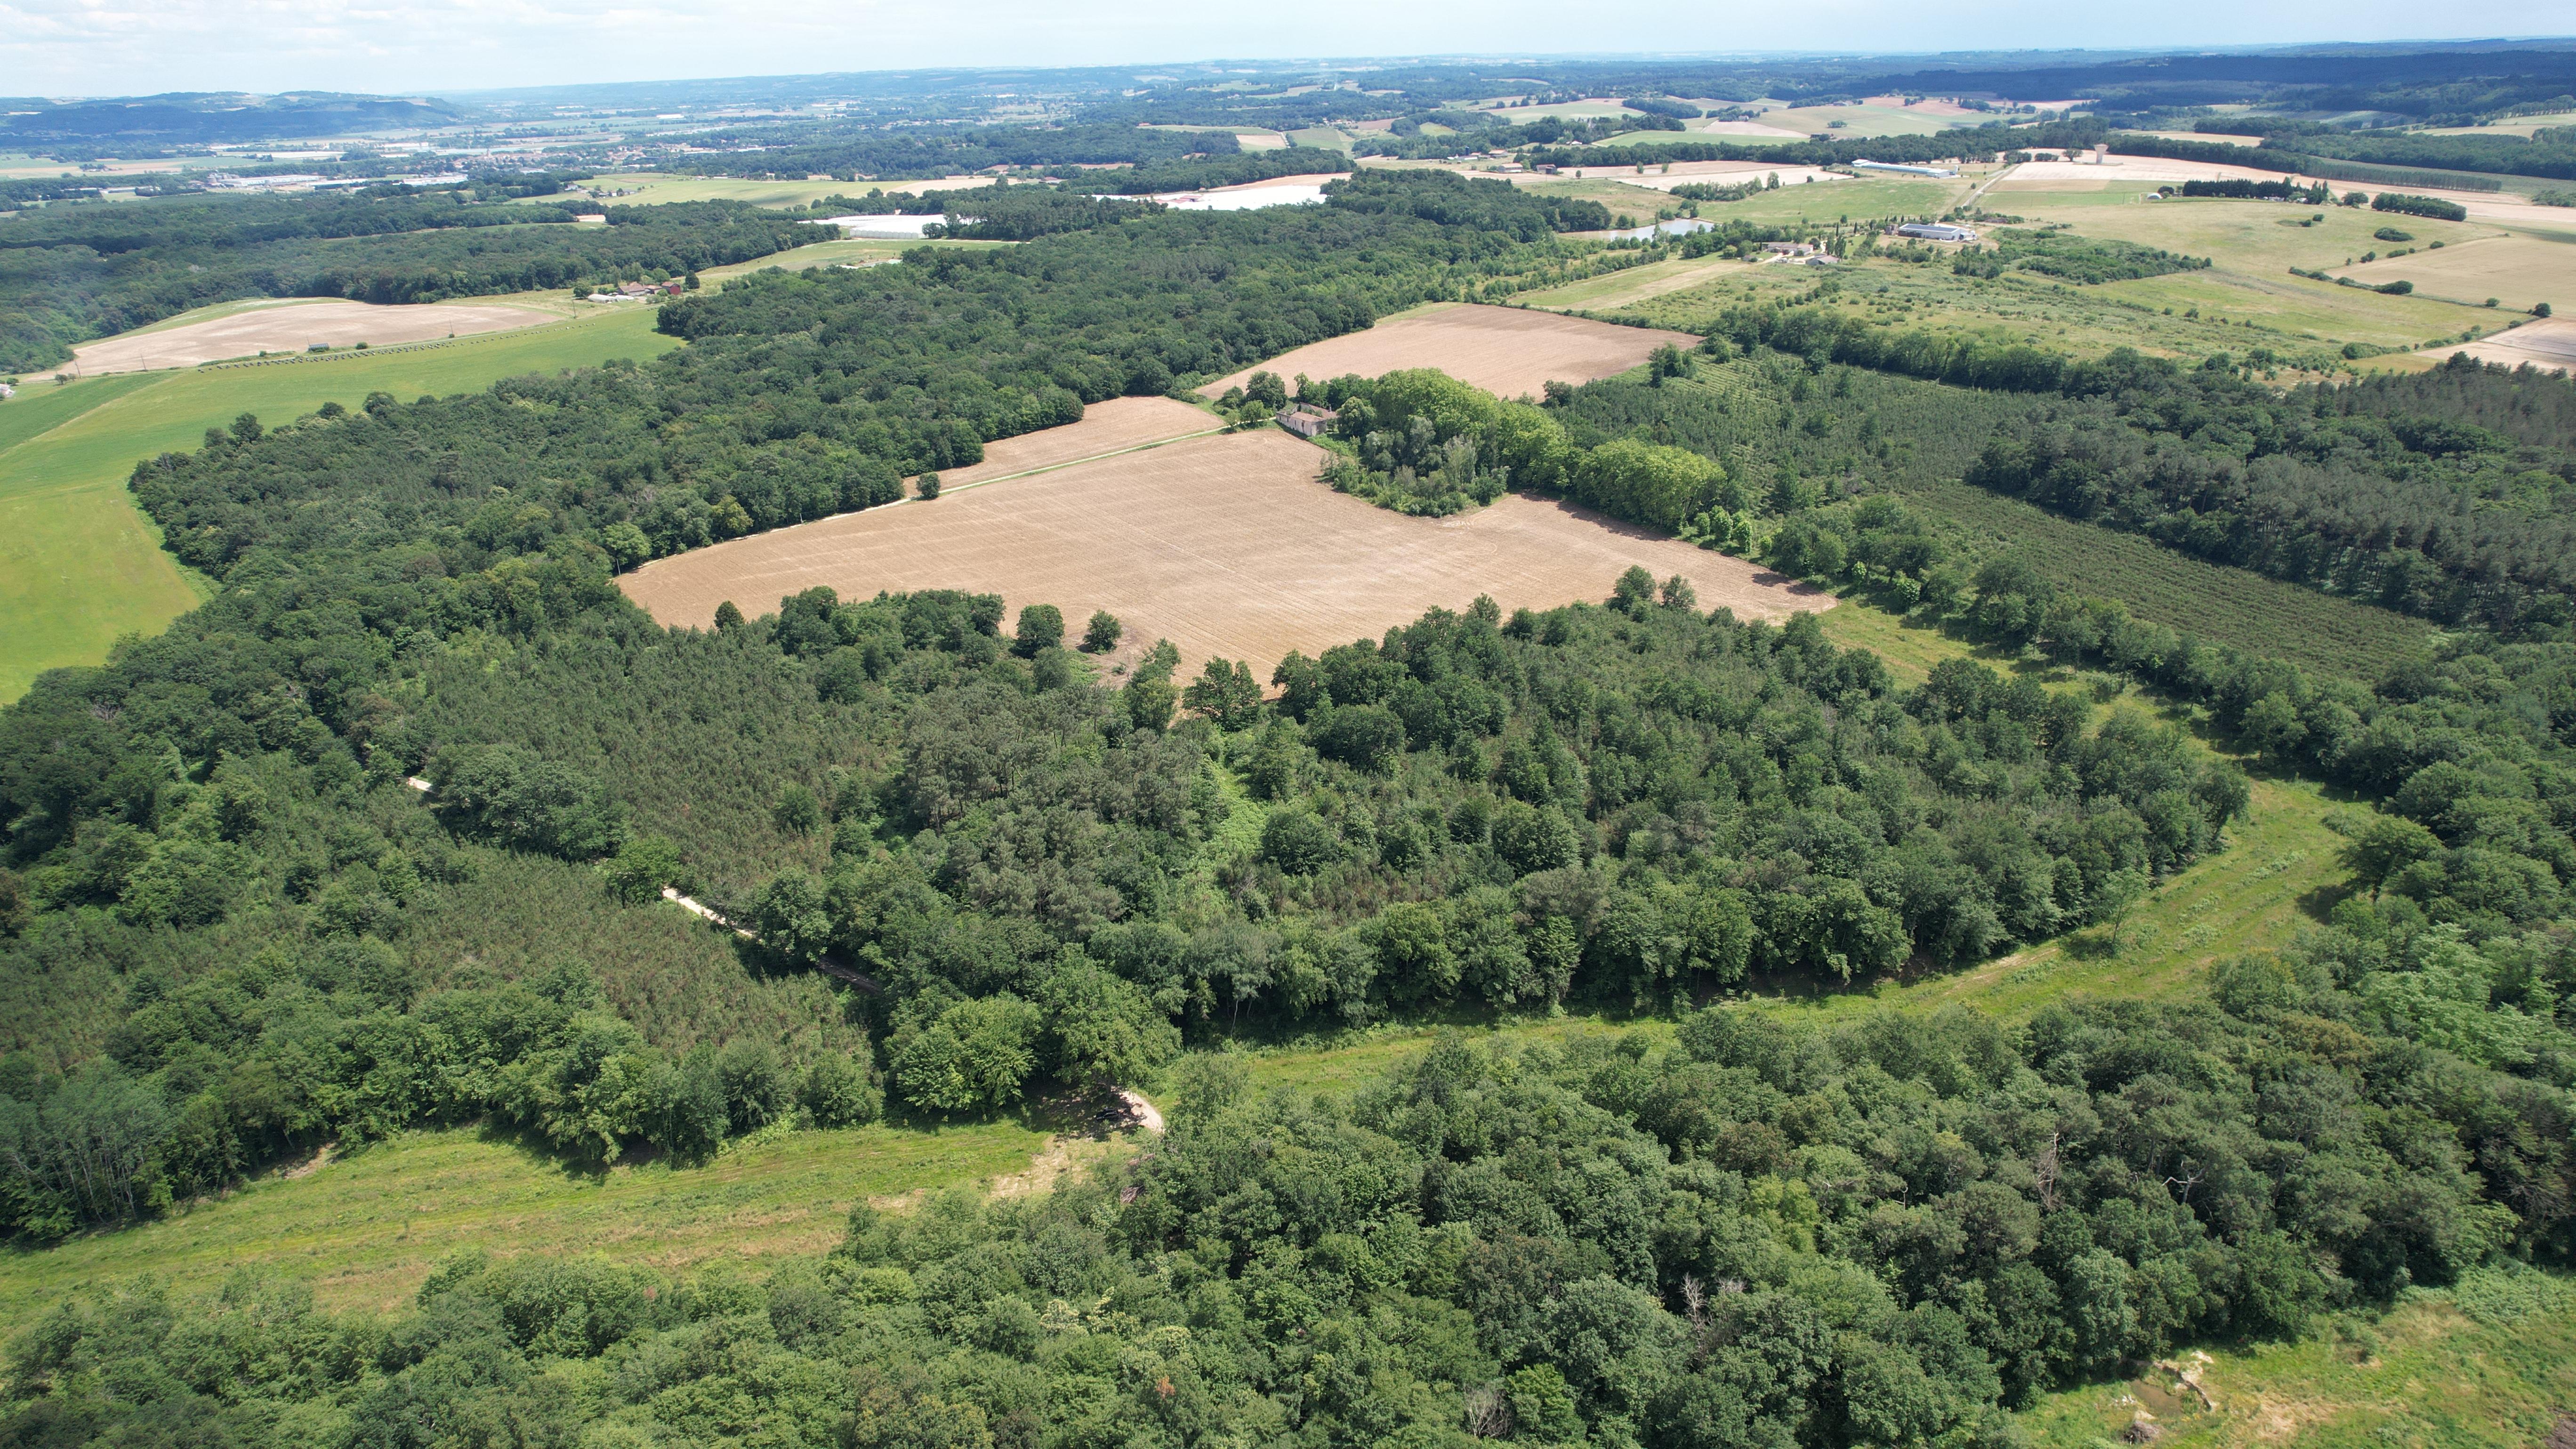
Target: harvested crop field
{"x": 1115, "y": 426}
{"x": 1227, "y": 546}
{"x": 2516, "y": 270}
{"x": 294, "y": 327}
{"x": 2549, "y": 345}
{"x": 2146, "y": 172}
{"x": 1504, "y": 350}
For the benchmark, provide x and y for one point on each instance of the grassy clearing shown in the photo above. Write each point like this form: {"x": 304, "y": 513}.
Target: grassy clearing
{"x": 2252, "y": 236}
{"x": 2424, "y": 1374}
{"x": 2277, "y": 874}
{"x": 1336, "y": 1062}
{"x": 2521, "y": 126}
{"x": 2248, "y": 291}
{"x": 1827, "y": 201}
{"x": 1907, "y": 645}
{"x": 2304, "y": 309}
{"x": 79, "y": 566}
{"x": 1565, "y": 111}
{"x": 365, "y": 1229}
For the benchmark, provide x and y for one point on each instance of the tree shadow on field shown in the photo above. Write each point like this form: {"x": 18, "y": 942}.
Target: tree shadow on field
{"x": 538, "y": 1152}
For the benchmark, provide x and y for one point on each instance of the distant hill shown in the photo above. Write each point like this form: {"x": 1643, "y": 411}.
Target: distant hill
{"x": 204, "y": 118}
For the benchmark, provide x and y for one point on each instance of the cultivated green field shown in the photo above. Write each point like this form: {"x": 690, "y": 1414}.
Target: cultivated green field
{"x": 79, "y": 566}
{"x": 1824, "y": 201}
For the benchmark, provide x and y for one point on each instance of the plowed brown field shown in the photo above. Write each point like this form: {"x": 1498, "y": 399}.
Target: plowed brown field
{"x": 1106, "y": 427}
{"x": 1228, "y": 546}
{"x": 1504, "y": 350}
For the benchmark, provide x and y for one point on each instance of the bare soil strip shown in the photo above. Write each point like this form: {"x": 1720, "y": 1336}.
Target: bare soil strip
{"x": 1506, "y": 351}
{"x": 1108, "y": 427}
{"x": 294, "y": 328}
{"x": 1228, "y": 546}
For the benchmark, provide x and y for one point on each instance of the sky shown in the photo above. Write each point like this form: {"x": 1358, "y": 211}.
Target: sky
{"x": 136, "y": 47}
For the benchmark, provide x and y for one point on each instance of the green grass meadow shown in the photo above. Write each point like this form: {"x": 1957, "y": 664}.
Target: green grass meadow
{"x": 366, "y": 1228}
{"x": 2490, "y": 1364}
{"x": 79, "y": 566}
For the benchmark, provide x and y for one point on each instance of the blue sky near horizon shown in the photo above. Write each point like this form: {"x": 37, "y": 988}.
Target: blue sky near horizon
{"x": 136, "y": 47}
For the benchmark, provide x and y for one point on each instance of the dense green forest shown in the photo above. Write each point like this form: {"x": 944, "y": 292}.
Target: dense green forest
{"x": 888, "y": 153}
{"x": 234, "y": 924}
{"x": 1454, "y": 200}
{"x": 69, "y": 273}
{"x": 1881, "y": 1234}
{"x": 1129, "y": 160}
